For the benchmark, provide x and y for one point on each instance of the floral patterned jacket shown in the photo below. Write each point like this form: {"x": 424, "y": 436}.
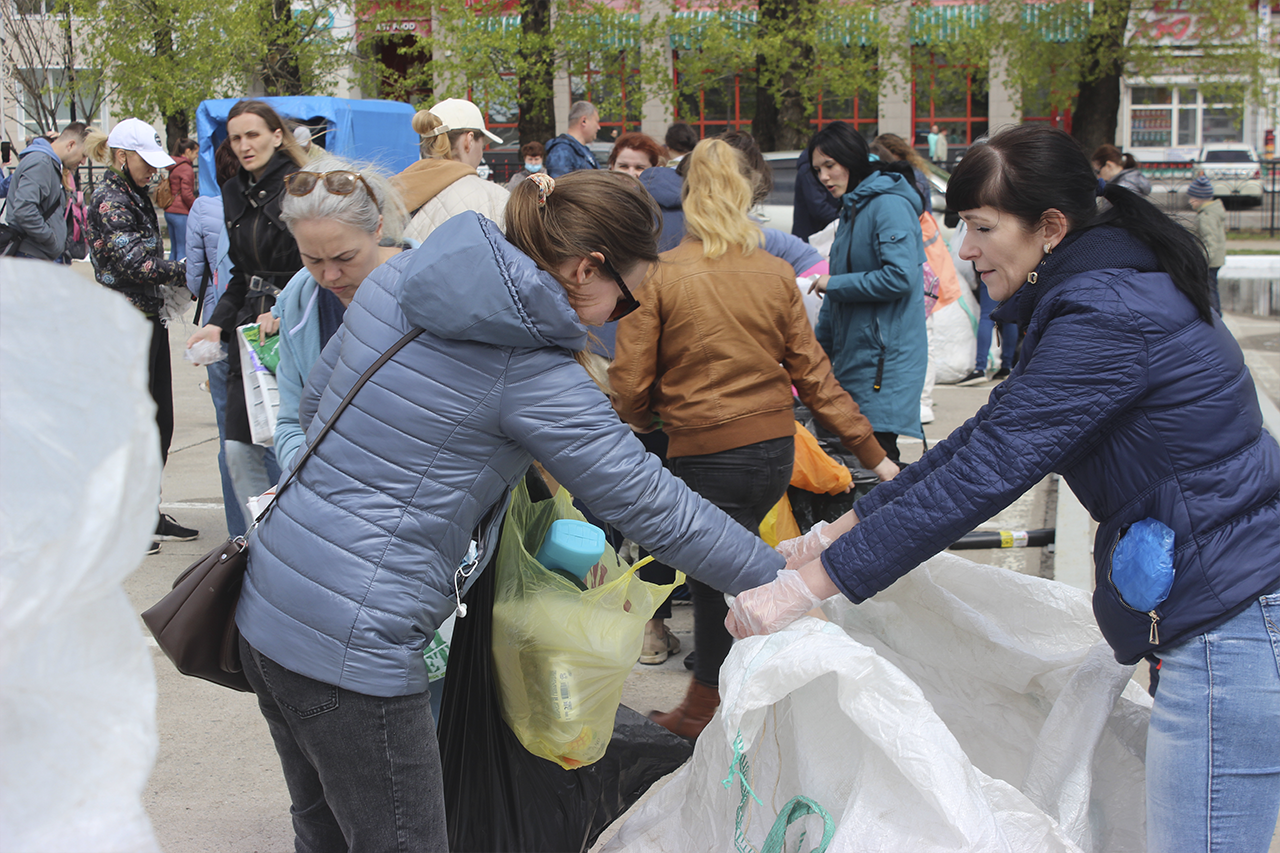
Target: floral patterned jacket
{"x": 125, "y": 244}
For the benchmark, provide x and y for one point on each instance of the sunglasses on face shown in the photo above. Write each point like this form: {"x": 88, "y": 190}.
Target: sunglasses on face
{"x": 339, "y": 182}
{"x": 626, "y": 302}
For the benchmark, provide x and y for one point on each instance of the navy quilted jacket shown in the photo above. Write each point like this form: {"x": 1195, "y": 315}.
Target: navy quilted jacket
{"x": 354, "y": 570}
{"x": 1147, "y": 412}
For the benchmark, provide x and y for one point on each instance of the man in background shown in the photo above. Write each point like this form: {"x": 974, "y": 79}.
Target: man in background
{"x": 568, "y": 152}
{"x": 37, "y": 201}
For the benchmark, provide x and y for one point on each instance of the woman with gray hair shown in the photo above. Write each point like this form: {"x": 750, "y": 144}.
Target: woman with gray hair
{"x": 347, "y": 220}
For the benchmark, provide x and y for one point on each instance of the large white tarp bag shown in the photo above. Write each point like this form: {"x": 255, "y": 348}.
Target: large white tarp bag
{"x": 79, "y": 485}
{"x": 965, "y": 708}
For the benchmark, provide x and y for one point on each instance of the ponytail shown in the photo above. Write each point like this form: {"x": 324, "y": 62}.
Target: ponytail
{"x": 585, "y": 211}
{"x": 95, "y": 145}
{"x": 1180, "y": 253}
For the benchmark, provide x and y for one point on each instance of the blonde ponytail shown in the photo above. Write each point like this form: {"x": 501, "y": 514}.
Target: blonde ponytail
{"x": 716, "y": 197}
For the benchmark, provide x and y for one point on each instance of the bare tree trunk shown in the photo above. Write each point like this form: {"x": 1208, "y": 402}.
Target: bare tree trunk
{"x": 537, "y": 80}
{"x": 1097, "y": 112}
{"x": 782, "y": 110}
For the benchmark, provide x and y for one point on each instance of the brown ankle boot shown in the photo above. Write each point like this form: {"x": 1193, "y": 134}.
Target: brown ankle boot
{"x": 692, "y": 715}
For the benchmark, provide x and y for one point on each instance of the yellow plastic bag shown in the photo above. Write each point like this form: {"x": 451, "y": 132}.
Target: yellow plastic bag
{"x": 779, "y": 524}
{"x": 561, "y": 655}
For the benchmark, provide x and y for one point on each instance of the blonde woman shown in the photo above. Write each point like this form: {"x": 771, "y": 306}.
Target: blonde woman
{"x": 128, "y": 257}
{"x": 720, "y": 337}
{"x": 444, "y": 183}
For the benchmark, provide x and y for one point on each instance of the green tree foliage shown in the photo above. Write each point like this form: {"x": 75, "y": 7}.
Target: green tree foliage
{"x": 166, "y": 56}
{"x": 790, "y": 53}
{"x": 503, "y": 55}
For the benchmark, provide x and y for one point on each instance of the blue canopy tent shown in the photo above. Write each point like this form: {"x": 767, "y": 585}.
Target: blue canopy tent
{"x": 378, "y": 132}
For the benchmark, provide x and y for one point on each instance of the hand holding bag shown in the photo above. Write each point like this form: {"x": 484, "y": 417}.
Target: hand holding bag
{"x": 195, "y": 624}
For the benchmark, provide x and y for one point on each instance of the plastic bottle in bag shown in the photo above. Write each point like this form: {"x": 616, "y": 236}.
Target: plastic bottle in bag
{"x": 571, "y": 548}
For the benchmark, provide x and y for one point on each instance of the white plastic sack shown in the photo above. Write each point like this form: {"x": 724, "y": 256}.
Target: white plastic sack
{"x": 965, "y": 708}
{"x": 954, "y": 344}
{"x": 261, "y": 393}
{"x": 81, "y": 478}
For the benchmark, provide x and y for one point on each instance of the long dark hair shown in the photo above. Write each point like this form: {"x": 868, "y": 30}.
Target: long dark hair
{"x": 288, "y": 144}
{"x": 846, "y": 146}
{"x": 1027, "y": 170}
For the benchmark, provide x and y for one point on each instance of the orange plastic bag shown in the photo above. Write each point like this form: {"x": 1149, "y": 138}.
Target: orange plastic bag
{"x": 814, "y": 470}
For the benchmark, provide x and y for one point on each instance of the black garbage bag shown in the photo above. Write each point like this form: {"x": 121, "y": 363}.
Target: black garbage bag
{"x": 501, "y": 799}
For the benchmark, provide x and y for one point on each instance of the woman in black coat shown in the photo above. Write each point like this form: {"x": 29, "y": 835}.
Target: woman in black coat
{"x": 264, "y": 257}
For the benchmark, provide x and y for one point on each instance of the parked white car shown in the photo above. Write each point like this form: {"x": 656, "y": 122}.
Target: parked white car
{"x": 1232, "y": 168}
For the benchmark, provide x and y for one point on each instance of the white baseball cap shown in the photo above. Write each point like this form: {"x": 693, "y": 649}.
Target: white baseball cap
{"x": 462, "y": 115}
{"x": 134, "y": 134}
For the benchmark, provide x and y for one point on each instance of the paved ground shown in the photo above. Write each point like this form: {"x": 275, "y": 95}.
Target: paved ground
{"x": 217, "y": 786}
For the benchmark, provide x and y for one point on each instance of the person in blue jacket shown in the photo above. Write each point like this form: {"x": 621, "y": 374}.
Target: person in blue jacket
{"x": 568, "y": 152}
{"x": 1128, "y": 388}
{"x": 359, "y": 563}
{"x": 872, "y": 322}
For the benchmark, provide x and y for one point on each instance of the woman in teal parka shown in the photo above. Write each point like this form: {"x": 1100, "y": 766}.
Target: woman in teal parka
{"x": 872, "y": 318}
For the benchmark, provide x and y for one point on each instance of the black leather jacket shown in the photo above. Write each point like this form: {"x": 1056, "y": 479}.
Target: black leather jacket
{"x": 264, "y": 255}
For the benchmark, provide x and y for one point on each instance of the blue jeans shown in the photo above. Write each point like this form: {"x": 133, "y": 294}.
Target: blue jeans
{"x": 1008, "y": 333}
{"x": 745, "y": 482}
{"x": 177, "y": 223}
{"x": 218, "y": 392}
{"x": 363, "y": 772}
{"x": 1213, "y": 748}
{"x": 253, "y": 469}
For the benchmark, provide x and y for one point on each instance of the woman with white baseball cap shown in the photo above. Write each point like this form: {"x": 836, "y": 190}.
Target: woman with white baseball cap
{"x": 445, "y": 183}
{"x": 128, "y": 257}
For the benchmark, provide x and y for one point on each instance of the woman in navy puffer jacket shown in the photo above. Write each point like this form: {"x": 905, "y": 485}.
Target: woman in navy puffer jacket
{"x": 357, "y": 566}
{"x": 1131, "y": 389}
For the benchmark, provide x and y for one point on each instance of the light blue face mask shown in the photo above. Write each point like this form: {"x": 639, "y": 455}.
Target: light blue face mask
{"x": 537, "y": 168}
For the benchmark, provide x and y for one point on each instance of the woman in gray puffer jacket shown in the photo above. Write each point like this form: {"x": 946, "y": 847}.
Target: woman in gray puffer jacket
{"x": 355, "y": 569}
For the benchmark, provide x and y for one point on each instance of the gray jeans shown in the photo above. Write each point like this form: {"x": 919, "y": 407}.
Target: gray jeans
{"x": 363, "y": 771}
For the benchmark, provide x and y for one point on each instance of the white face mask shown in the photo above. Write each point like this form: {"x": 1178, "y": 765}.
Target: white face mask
{"x": 533, "y": 167}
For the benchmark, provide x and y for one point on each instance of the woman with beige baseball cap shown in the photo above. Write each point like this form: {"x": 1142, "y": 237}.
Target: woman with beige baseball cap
{"x": 445, "y": 183}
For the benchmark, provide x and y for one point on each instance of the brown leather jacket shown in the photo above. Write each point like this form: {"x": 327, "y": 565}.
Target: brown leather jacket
{"x": 714, "y": 349}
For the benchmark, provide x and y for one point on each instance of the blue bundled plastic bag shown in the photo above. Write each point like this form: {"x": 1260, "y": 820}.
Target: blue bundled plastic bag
{"x": 1142, "y": 567}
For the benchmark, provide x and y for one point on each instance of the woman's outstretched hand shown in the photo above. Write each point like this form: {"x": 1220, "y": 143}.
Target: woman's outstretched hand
{"x": 777, "y": 604}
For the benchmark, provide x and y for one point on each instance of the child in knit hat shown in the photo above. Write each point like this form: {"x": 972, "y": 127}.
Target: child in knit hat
{"x": 1211, "y": 225}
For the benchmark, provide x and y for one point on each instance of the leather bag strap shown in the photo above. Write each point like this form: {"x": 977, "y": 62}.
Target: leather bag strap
{"x": 373, "y": 368}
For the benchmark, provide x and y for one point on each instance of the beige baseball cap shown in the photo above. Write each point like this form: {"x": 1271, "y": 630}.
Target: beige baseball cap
{"x": 462, "y": 115}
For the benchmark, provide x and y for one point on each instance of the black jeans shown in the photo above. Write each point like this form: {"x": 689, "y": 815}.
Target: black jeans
{"x": 363, "y": 771}
{"x": 744, "y": 482}
{"x": 160, "y": 383}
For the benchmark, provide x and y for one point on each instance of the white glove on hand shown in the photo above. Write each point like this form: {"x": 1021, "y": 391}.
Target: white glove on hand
{"x": 806, "y": 548}
{"x": 770, "y": 607}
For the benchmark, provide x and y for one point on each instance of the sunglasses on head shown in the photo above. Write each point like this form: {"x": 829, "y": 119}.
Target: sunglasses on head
{"x": 339, "y": 182}
{"x": 626, "y": 302}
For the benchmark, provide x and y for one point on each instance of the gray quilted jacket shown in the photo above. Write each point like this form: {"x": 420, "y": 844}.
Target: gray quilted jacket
{"x": 354, "y": 570}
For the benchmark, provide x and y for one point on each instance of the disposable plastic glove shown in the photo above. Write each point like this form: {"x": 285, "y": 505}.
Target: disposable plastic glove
{"x": 806, "y": 548}
{"x": 770, "y": 607}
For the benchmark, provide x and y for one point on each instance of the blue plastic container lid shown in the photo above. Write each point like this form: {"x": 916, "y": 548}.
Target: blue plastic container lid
{"x": 573, "y": 546}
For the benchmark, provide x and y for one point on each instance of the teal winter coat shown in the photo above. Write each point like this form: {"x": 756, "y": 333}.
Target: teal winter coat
{"x": 872, "y": 318}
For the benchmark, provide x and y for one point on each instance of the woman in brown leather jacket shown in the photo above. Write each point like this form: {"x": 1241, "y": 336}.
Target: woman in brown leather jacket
{"x": 720, "y": 338}
{"x": 264, "y": 257}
